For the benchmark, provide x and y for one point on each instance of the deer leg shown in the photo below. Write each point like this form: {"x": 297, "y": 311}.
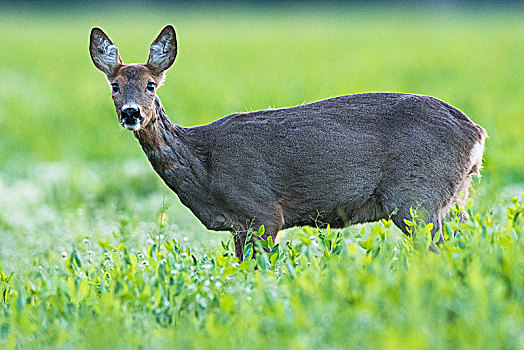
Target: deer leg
{"x": 238, "y": 239}
{"x": 399, "y": 201}
{"x": 461, "y": 196}
{"x": 270, "y": 230}
{"x": 435, "y": 219}
{"x": 399, "y": 204}
{"x": 272, "y": 224}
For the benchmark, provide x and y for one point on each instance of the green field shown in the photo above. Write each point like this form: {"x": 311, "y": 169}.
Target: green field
{"x": 95, "y": 251}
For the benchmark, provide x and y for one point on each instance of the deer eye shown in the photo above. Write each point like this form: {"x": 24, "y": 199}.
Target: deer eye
{"x": 151, "y": 86}
{"x": 115, "y": 87}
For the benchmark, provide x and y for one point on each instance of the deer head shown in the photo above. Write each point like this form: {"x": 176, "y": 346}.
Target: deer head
{"x": 134, "y": 86}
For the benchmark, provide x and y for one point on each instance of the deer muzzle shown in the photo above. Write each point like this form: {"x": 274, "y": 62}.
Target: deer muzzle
{"x": 131, "y": 118}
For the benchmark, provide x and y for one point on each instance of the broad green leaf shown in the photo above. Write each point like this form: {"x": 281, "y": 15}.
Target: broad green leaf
{"x": 270, "y": 241}
{"x": 263, "y": 261}
{"x": 248, "y": 251}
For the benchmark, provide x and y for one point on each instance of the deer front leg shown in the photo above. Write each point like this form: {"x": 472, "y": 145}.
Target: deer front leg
{"x": 239, "y": 238}
{"x": 270, "y": 216}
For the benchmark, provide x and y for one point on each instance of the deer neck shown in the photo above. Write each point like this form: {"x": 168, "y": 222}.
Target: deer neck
{"x": 170, "y": 151}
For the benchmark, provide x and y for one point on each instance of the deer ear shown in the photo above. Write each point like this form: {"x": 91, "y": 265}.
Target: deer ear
{"x": 162, "y": 52}
{"x": 104, "y": 52}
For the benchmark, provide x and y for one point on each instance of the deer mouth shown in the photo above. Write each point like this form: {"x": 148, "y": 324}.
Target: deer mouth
{"x": 131, "y": 122}
{"x": 131, "y": 126}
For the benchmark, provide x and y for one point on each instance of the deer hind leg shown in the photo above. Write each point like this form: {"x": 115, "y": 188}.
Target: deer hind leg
{"x": 461, "y": 195}
{"x": 398, "y": 204}
{"x": 434, "y": 217}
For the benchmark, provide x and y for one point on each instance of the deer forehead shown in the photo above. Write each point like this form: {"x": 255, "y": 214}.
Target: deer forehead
{"x": 133, "y": 74}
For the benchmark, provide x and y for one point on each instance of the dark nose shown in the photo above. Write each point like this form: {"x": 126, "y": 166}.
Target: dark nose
{"x": 131, "y": 115}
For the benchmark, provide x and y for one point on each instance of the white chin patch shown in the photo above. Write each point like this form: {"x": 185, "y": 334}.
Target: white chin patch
{"x": 132, "y": 126}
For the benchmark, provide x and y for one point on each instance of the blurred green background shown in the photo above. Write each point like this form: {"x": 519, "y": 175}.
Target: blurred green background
{"x": 55, "y": 106}
{"x": 68, "y": 169}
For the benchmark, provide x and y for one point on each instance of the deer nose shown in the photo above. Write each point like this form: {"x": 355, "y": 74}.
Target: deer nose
{"x": 131, "y": 115}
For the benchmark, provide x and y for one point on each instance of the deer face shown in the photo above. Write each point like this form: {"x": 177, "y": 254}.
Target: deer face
{"x": 134, "y": 86}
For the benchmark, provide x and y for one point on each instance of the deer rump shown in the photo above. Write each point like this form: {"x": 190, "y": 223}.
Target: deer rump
{"x": 340, "y": 161}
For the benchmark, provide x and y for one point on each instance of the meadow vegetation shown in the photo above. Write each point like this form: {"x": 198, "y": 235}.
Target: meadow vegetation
{"x": 96, "y": 251}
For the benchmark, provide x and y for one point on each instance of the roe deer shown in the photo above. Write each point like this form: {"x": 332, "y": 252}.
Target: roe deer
{"x": 345, "y": 160}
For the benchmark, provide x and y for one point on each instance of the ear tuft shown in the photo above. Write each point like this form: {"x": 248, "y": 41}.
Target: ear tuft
{"x": 163, "y": 50}
{"x": 104, "y": 52}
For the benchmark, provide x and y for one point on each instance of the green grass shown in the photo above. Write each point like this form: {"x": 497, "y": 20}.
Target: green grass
{"x": 375, "y": 289}
{"x": 94, "y": 266}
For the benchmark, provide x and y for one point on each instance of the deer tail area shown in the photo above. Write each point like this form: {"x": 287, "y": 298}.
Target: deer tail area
{"x": 476, "y": 153}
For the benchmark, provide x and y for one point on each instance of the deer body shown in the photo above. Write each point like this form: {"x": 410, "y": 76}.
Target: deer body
{"x": 344, "y": 160}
